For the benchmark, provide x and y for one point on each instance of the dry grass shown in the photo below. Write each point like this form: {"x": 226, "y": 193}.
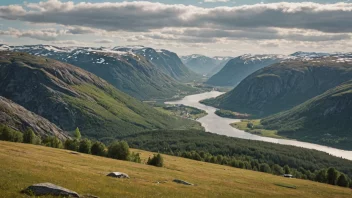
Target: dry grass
{"x": 22, "y": 165}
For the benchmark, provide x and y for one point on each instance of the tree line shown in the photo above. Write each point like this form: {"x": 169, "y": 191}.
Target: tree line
{"x": 117, "y": 149}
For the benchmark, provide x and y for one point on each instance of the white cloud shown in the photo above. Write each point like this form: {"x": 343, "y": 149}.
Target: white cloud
{"x": 103, "y": 41}
{"x": 44, "y": 34}
{"x": 214, "y": 1}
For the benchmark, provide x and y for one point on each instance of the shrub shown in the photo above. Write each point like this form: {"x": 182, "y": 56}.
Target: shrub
{"x": 85, "y": 146}
{"x": 277, "y": 170}
{"x": 8, "y": 134}
{"x": 98, "y": 148}
{"x": 135, "y": 157}
{"x": 342, "y": 181}
{"x": 119, "y": 150}
{"x": 52, "y": 141}
{"x": 321, "y": 176}
{"x": 29, "y": 137}
{"x": 157, "y": 160}
{"x": 71, "y": 145}
{"x": 332, "y": 176}
{"x": 265, "y": 168}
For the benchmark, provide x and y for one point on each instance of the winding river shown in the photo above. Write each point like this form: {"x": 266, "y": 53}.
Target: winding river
{"x": 216, "y": 124}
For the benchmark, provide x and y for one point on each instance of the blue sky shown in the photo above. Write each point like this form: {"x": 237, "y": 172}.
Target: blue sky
{"x": 210, "y": 28}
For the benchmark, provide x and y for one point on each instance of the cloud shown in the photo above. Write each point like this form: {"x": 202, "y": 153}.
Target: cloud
{"x": 146, "y": 16}
{"x": 103, "y": 41}
{"x": 214, "y": 1}
{"x": 67, "y": 42}
{"x": 44, "y": 34}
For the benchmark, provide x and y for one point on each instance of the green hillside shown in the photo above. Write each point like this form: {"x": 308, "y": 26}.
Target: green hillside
{"x": 324, "y": 119}
{"x": 284, "y": 85}
{"x": 71, "y": 97}
{"x": 23, "y": 165}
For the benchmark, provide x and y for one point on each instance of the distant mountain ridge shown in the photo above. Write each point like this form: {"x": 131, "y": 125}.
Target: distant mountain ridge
{"x": 286, "y": 84}
{"x": 71, "y": 97}
{"x": 240, "y": 67}
{"x": 141, "y": 72}
{"x": 205, "y": 65}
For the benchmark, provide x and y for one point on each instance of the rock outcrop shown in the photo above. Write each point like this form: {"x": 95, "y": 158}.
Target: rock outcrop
{"x": 19, "y": 118}
{"x": 50, "y": 189}
{"x": 118, "y": 175}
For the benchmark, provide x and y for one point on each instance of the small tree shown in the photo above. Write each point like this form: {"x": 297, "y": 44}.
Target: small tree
{"x": 119, "y": 150}
{"x": 98, "y": 148}
{"x": 157, "y": 161}
{"x": 342, "y": 181}
{"x": 53, "y": 142}
{"x": 264, "y": 167}
{"x": 332, "y": 176}
{"x": 72, "y": 145}
{"x": 29, "y": 137}
{"x": 85, "y": 146}
{"x": 287, "y": 169}
{"x": 77, "y": 134}
{"x": 321, "y": 176}
{"x": 135, "y": 157}
{"x": 250, "y": 125}
{"x": 277, "y": 169}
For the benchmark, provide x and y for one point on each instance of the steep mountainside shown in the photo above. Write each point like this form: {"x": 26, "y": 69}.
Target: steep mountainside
{"x": 130, "y": 72}
{"x": 168, "y": 62}
{"x": 71, "y": 97}
{"x": 19, "y": 118}
{"x": 284, "y": 85}
{"x": 204, "y": 65}
{"x": 239, "y": 68}
{"x": 325, "y": 119}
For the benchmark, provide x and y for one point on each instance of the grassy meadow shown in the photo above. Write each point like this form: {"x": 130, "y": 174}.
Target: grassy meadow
{"x": 22, "y": 165}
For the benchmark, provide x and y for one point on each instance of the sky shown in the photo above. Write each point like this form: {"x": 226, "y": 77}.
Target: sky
{"x": 209, "y": 27}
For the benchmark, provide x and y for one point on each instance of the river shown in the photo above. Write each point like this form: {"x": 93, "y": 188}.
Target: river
{"x": 216, "y": 124}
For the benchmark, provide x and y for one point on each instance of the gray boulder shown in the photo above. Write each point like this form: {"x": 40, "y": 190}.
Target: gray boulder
{"x": 50, "y": 189}
{"x": 182, "y": 182}
{"x": 118, "y": 175}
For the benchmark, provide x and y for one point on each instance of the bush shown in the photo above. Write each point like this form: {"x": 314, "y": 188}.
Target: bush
{"x": 342, "y": 181}
{"x": 29, "y": 137}
{"x": 8, "y": 134}
{"x": 53, "y": 141}
{"x": 250, "y": 125}
{"x": 85, "y": 146}
{"x": 98, "y": 148}
{"x": 157, "y": 160}
{"x": 332, "y": 176}
{"x": 72, "y": 145}
{"x": 119, "y": 150}
{"x": 277, "y": 170}
{"x": 134, "y": 157}
{"x": 265, "y": 168}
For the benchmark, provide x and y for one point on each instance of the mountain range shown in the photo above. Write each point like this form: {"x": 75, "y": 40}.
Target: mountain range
{"x": 141, "y": 72}
{"x": 71, "y": 97}
{"x": 204, "y": 65}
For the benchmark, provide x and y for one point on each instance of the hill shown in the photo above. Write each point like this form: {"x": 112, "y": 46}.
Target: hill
{"x": 23, "y": 165}
{"x": 131, "y": 70}
{"x": 71, "y": 97}
{"x": 19, "y": 118}
{"x": 239, "y": 68}
{"x": 284, "y": 85}
{"x": 324, "y": 119}
{"x": 204, "y": 65}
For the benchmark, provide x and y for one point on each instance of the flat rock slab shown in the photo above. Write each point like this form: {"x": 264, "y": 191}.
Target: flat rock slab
{"x": 50, "y": 189}
{"x": 118, "y": 175}
{"x": 182, "y": 182}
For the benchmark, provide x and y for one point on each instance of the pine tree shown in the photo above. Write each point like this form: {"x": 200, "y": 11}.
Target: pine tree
{"x": 77, "y": 134}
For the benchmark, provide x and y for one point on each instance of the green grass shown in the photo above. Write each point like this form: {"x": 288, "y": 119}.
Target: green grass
{"x": 257, "y": 129}
{"x": 22, "y": 165}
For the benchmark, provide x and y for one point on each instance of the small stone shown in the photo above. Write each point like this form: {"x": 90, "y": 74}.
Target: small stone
{"x": 182, "y": 182}
{"x": 49, "y": 189}
{"x": 118, "y": 175}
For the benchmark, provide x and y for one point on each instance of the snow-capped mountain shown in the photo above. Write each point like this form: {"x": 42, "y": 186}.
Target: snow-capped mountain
{"x": 205, "y": 65}
{"x": 142, "y": 72}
